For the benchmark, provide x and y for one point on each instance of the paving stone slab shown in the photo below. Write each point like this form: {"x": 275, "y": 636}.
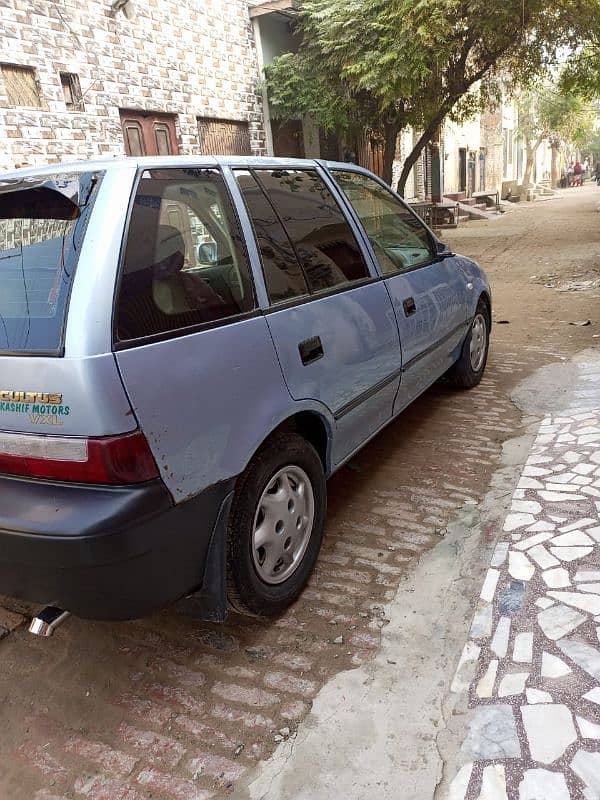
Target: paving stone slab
{"x": 541, "y": 784}
{"x": 586, "y": 766}
{"x": 492, "y": 734}
{"x": 549, "y": 730}
{"x": 559, "y": 620}
{"x": 583, "y": 654}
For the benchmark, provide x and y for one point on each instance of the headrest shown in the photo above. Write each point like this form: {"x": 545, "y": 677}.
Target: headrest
{"x": 168, "y": 241}
{"x": 169, "y": 253}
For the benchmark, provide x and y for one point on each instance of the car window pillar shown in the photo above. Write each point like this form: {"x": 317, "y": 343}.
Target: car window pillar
{"x": 352, "y": 219}
{"x": 248, "y": 233}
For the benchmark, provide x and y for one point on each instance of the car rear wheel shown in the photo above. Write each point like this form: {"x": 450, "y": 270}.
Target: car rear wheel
{"x": 275, "y": 526}
{"x": 468, "y": 370}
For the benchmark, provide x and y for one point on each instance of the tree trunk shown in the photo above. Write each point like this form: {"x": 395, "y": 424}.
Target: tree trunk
{"x": 390, "y": 138}
{"x": 531, "y": 150}
{"x": 530, "y": 156}
{"x": 413, "y": 156}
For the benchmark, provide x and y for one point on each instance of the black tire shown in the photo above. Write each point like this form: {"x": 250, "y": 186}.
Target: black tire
{"x": 462, "y": 375}
{"x": 247, "y": 592}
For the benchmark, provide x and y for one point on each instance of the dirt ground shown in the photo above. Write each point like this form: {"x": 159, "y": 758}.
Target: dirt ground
{"x": 170, "y": 707}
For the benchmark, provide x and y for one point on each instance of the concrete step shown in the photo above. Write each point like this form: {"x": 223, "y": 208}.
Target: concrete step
{"x": 476, "y": 211}
{"x": 456, "y": 196}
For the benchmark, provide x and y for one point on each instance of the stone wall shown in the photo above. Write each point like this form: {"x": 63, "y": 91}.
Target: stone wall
{"x": 190, "y": 58}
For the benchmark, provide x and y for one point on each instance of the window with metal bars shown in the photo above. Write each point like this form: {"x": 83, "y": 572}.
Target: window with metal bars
{"x": 224, "y": 137}
{"x": 71, "y": 91}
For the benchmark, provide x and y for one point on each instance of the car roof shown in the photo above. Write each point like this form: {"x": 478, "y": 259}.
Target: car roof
{"x": 156, "y": 162}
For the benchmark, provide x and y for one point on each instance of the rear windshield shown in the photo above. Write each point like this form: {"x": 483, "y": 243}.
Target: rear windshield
{"x": 42, "y": 224}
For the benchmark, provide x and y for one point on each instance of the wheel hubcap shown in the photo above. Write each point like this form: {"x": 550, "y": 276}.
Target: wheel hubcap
{"x": 283, "y": 525}
{"x": 478, "y": 342}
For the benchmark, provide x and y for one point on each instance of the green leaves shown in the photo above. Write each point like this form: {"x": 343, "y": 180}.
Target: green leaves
{"x": 368, "y": 63}
{"x": 548, "y": 111}
{"x": 582, "y": 71}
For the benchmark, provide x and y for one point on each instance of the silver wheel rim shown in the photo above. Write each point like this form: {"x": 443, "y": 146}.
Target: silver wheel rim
{"x": 283, "y": 525}
{"x": 478, "y": 342}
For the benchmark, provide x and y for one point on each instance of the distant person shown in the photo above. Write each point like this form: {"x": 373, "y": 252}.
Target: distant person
{"x": 570, "y": 174}
{"x": 578, "y": 174}
{"x": 597, "y": 172}
{"x": 564, "y": 177}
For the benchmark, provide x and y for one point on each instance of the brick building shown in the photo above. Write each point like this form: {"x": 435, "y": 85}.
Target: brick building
{"x": 144, "y": 76}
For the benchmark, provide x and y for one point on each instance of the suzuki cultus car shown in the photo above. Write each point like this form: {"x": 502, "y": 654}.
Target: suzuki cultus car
{"x": 189, "y": 348}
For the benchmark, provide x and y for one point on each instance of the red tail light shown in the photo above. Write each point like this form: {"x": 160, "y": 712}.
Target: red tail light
{"x": 110, "y": 459}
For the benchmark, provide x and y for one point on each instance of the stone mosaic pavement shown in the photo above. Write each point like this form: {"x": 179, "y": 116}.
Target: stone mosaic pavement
{"x": 531, "y": 666}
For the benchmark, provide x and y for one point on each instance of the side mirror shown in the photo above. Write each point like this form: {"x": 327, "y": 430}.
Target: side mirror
{"x": 442, "y": 250}
{"x": 207, "y": 253}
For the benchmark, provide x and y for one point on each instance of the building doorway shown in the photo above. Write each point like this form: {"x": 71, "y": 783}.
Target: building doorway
{"x": 472, "y": 172}
{"x": 462, "y": 169}
{"x": 288, "y": 138}
{"x": 147, "y": 133}
{"x": 482, "y": 170}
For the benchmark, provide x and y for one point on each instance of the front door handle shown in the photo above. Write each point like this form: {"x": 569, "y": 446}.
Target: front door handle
{"x": 409, "y": 306}
{"x": 311, "y": 350}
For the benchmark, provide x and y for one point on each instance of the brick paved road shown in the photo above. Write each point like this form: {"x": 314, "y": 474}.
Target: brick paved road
{"x": 169, "y": 707}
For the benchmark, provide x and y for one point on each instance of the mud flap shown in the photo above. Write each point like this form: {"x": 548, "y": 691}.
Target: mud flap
{"x": 209, "y": 603}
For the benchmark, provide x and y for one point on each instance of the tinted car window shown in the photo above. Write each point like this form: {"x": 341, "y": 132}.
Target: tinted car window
{"x": 185, "y": 264}
{"x": 323, "y": 241}
{"x": 42, "y": 225}
{"x": 399, "y": 238}
{"x": 283, "y": 274}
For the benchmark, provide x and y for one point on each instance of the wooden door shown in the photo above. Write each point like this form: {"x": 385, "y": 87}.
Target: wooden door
{"x": 462, "y": 169}
{"x": 288, "y": 138}
{"x": 147, "y": 133}
{"x": 472, "y": 171}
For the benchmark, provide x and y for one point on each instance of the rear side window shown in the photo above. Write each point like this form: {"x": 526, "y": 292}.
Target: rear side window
{"x": 399, "y": 238}
{"x": 185, "y": 263}
{"x": 283, "y": 274}
{"x": 321, "y": 237}
{"x": 42, "y": 225}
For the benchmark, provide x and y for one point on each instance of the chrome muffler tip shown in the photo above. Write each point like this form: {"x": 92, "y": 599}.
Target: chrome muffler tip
{"x": 49, "y": 618}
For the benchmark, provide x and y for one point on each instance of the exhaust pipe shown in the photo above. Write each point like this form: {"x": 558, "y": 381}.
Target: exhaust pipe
{"x": 49, "y": 618}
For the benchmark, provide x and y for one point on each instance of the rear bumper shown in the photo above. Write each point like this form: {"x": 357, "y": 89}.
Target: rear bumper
{"x": 105, "y": 552}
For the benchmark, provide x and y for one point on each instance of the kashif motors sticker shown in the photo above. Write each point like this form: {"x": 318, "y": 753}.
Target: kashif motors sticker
{"x": 42, "y": 408}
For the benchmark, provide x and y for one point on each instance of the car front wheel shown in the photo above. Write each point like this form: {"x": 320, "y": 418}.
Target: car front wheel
{"x": 275, "y": 526}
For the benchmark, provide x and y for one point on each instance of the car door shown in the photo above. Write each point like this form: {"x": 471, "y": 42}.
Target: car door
{"x": 428, "y": 292}
{"x": 331, "y": 319}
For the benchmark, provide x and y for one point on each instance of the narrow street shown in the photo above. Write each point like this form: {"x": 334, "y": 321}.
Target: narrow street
{"x": 171, "y": 708}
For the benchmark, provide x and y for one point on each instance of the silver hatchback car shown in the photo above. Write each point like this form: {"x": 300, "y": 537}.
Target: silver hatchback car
{"x": 189, "y": 347}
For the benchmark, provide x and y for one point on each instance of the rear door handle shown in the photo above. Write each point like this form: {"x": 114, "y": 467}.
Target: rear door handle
{"x": 409, "y": 306}
{"x": 311, "y": 350}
